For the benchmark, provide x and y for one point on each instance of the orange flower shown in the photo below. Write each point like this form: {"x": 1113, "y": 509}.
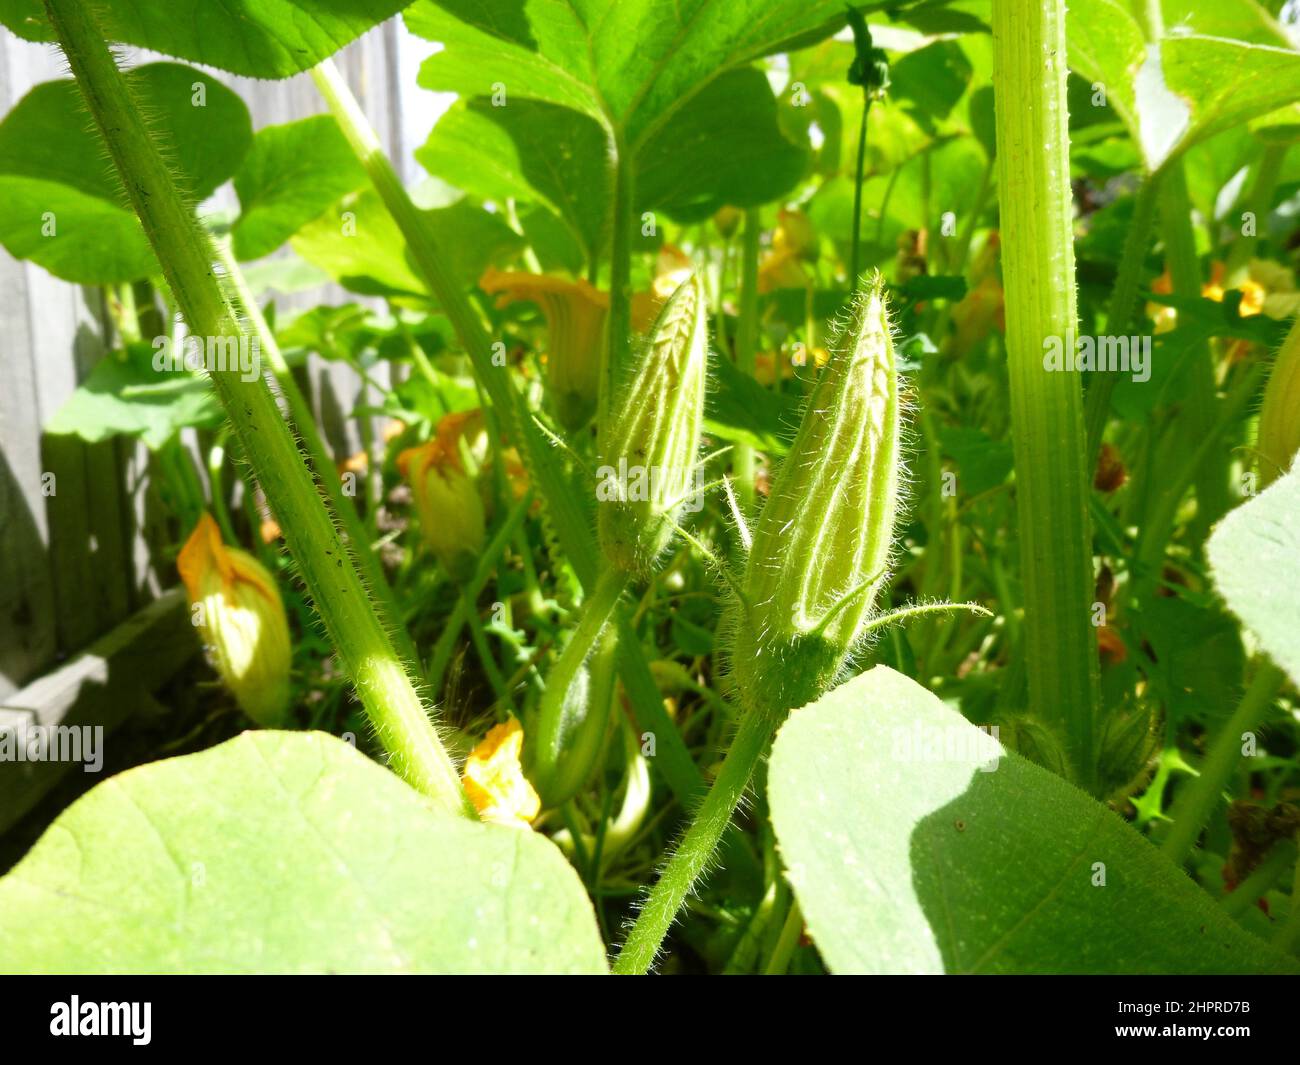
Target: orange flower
{"x": 575, "y": 320}
{"x": 237, "y": 605}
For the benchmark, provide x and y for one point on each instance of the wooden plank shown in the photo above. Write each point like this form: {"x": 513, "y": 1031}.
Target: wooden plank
{"x": 99, "y": 688}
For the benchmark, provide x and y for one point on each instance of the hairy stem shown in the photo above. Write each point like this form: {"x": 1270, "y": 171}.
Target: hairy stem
{"x": 326, "y": 565}
{"x": 692, "y": 855}
{"x": 322, "y": 462}
{"x": 1052, "y": 476}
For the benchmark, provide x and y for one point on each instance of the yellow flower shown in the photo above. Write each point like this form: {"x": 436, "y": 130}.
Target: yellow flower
{"x": 447, "y": 501}
{"x": 239, "y": 610}
{"x": 494, "y": 778}
{"x": 575, "y": 320}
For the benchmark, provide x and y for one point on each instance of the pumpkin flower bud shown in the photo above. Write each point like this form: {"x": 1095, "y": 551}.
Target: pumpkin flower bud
{"x": 650, "y": 445}
{"x": 237, "y": 606}
{"x": 494, "y": 778}
{"x": 448, "y": 504}
{"x": 575, "y": 321}
{"x": 1279, "y": 415}
{"x": 822, "y": 545}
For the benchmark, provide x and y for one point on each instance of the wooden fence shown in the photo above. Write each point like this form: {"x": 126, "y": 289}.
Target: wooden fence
{"x": 79, "y": 527}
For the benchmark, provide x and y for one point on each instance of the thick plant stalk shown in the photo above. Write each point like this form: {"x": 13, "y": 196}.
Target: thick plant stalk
{"x": 567, "y": 515}
{"x": 1195, "y": 804}
{"x": 322, "y": 462}
{"x": 1052, "y": 475}
{"x": 187, "y": 257}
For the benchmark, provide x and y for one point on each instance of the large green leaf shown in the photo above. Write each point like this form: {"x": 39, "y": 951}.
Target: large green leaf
{"x": 1255, "y": 555}
{"x": 287, "y": 852}
{"x": 64, "y": 205}
{"x": 259, "y": 38}
{"x": 726, "y": 148}
{"x": 292, "y": 175}
{"x": 630, "y": 65}
{"x": 908, "y": 855}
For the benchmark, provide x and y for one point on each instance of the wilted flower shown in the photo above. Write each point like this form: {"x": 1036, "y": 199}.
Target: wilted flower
{"x": 652, "y": 441}
{"x": 494, "y": 778}
{"x": 575, "y": 320}
{"x": 822, "y": 546}
{"x": 238, "y": 608}
{"x": 448, "y": 502}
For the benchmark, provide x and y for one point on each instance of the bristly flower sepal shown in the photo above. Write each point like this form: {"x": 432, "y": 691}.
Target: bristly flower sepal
{"x": 822, "y": 547}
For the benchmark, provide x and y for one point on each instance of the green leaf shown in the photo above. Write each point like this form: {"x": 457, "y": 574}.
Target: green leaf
{"x": 124, "y": 395}
{"x": 531, "y": 151}
{"x": 982, "y": 462}
{"x": 629, "y": 65}
{"x": 1255, "y": 557}
{"x": 1226, "y": 83}
{"x": 907, "y": 855}
{"x": 360, "y": 246}
{"x": 257, "y": 38}
{"x": 1107, "y": 46}
{"x": 1198, "y": 657}
{"x": 287, "y": 852}
{"x": 291, "y": 176}
{"x": 64, "y": 204}
{"x": 75, "y": 236}
{"x": 726, "y": 148}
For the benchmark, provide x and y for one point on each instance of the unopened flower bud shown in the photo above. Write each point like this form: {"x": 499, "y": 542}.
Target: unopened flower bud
{"x": 651, "y": 443}
{"x": 822, "y": 546}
